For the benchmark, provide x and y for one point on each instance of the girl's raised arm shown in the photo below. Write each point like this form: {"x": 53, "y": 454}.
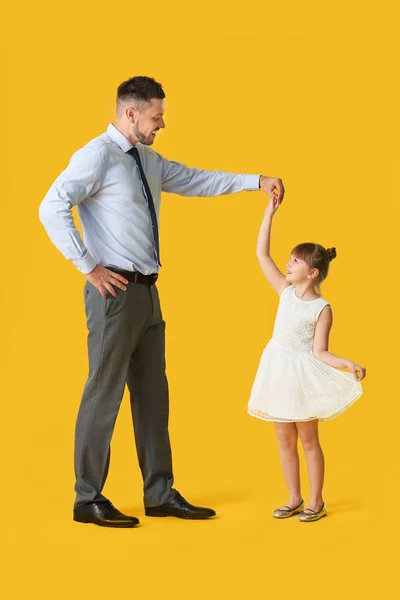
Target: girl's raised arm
{"x": 275, "y": 277}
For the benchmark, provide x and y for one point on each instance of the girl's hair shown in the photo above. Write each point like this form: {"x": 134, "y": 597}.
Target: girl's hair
{"x": 317, "y": 257}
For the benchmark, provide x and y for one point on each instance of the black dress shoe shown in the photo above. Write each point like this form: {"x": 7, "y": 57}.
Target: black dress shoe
{"x": 104, "y": 514}
{"x": 178, "y": 507}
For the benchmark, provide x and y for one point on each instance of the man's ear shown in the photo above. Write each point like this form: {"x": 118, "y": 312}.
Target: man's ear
{"x": 132, "y": 114}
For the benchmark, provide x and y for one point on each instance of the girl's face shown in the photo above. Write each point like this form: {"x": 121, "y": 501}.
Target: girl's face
{"x": 298, "y": 271}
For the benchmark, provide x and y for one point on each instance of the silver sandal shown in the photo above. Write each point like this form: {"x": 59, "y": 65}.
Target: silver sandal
{"x": 284, "y": 512}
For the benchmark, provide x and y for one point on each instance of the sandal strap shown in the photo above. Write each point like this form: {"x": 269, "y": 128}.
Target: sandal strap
{"x": 287, "y": 508}
{"x": 314, "y": 512}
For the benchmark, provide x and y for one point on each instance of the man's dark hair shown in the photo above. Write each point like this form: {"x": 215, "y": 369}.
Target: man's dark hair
{"x": 140, "y": 89}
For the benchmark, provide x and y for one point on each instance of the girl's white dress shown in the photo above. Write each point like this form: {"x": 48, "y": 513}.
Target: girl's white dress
{"x": 291, "y": 385}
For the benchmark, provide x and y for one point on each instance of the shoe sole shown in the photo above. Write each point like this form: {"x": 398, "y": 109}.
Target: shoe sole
{"x": 120, "y": 526}
{"x": 157, "y": 514}
{"x": 313, "y": 520}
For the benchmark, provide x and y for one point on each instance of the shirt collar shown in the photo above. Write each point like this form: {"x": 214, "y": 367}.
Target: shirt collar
{"x": 119, "y": 138}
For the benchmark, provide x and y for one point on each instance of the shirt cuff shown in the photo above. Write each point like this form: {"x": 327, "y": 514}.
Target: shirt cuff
{"x": 86, "y": 264}
{"x": 251, "y": 182}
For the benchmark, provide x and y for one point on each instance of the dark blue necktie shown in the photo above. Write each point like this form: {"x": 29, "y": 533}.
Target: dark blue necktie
{"x": 147, "y": 194}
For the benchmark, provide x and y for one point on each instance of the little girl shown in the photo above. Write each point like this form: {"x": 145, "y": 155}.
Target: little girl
{"x": 297, "y": 382}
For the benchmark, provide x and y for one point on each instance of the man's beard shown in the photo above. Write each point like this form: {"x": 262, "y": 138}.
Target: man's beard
{"x": 143, "y": 139}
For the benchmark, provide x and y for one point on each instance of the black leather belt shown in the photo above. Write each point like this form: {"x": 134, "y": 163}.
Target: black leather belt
{"x": 135, "y": 276}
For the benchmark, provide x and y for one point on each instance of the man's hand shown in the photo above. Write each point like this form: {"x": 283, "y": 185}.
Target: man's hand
{"x": 104, "y": 280}
{"x": 273, "y": 187}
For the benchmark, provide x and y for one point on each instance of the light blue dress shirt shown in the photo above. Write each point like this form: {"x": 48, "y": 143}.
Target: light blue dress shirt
{"x": 103, "y": 182}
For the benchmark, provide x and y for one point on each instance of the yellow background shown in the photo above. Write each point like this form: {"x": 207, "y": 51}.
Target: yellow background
{"x": 301, "y": 90}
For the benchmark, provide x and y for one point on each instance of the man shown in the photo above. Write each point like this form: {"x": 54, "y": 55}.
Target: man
{"x": 116, "y": 182}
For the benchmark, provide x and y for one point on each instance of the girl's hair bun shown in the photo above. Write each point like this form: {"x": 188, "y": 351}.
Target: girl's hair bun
{"x": 331, "y": 253}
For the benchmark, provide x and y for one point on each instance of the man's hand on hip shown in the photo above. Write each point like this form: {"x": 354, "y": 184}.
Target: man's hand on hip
{"x": 273, "y": 187}
{"x": 104, "y": 280}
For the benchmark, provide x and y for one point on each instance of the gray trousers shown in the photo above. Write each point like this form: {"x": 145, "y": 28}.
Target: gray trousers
{"x": 126, "y": 344}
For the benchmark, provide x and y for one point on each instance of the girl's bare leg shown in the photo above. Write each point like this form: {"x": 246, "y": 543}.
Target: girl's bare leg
{"x": 308, "y": 432}
{"x": 287, "y": 438}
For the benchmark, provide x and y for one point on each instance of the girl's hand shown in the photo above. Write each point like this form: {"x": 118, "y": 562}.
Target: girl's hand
{"x": 272, "y": 206}
{"x": 358, "y": 371}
